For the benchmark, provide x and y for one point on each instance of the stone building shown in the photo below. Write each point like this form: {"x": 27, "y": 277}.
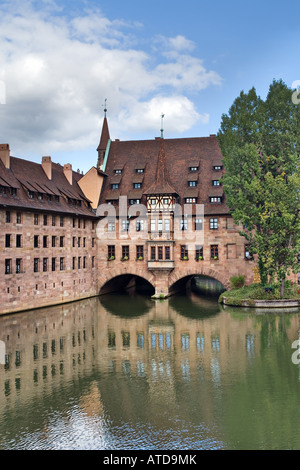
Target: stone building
{"x": 164, "y": 216}
{"x": 48, "y": 234}
{"x": 151, "y": 210}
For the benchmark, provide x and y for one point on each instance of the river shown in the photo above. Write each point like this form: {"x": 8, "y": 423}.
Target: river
{"x": 126, "y": 372}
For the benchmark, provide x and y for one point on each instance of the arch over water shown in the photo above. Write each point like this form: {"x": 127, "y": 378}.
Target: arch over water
{"x": 116, "y": 279}
{"x": 180, "y": 277}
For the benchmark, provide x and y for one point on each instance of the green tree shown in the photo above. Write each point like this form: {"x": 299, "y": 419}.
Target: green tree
{"x": 260, "y": 142}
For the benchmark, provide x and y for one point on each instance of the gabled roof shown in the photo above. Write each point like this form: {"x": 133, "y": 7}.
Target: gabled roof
{"x": 179, "y": 156}
{"x": 27, "y": 176}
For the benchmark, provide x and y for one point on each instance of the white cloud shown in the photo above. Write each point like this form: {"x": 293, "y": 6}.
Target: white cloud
{"x": 58, "y": 71}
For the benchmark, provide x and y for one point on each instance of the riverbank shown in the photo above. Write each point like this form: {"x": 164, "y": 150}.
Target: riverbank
{"x": 257, "y": 295}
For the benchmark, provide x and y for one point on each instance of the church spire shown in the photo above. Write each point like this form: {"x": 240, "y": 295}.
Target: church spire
{"x": 104, "y": 139}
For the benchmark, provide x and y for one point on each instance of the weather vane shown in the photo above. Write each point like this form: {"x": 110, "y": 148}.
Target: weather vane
{"x": 105, "y": 109}
{"x": 162, "y": 127}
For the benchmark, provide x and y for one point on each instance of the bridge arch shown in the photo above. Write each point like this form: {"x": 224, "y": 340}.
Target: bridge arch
{"x": 120, "y": 276}
{"x": 188, "y": 273}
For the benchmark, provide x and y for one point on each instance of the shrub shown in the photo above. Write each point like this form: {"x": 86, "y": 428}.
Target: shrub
{"x": 237, "y": 281}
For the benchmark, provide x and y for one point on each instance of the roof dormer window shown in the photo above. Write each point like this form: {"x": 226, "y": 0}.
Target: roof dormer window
{"x": 194, "y": 168}
{"x": 115, "y": 186}
{"x": 217, "y": 167}
{"x": 118, "y": 172}
{"x": 192, "y": 183}
{"x": 140, "y": 170}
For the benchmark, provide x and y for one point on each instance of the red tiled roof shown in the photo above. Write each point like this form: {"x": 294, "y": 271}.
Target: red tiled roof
{"x": 178, "y": 155}
{"x": 29, "y": 176}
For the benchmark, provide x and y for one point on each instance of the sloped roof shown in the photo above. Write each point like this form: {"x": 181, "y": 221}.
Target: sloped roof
{"x": 30, "y": 176}
{"x": 179, "y": 156}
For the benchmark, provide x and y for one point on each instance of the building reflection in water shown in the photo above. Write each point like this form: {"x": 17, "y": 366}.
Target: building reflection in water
{"x": 129, "y": 359}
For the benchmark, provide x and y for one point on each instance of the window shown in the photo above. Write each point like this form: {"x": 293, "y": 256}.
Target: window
{"x": 18, "y": 265}
{"x": 137, "y": 185}
{"x": 192, "y": 183}
{"x": 125, "y": 251}
{"x": 111, "y": 251}
{"x": 213, "y": 224}
{"x": 73, "y": 242}
{"x": 111, "y": 227}
{"x": 61, "y": 221}
{"x": 134, "y": 201}
{"x": 139, "y": 251}
{"x": 36, "y": 241}
{"x": 36, "y": 219}
{"x": 84, "y": 262}
{"x": 45, "y": 241}
{"x": 214, "y": 252}
{"x": 194, "y": 168}
{"x": 93, "y": 242}
{"x": 153, "y": 225}
{"x": 160, "y": 252}
{"x": 125, "y": 225}
{"x": 7, "y": 240}
{"x": 7, "y": 217}
{"x": 61, "y": 241}
{"x": 40, "y": 196}
{"x": 53, "y": 241}
{"x": 19, "y": 218}
{"x": 215, "y": 199}
{"x": 216, "y": 183}
{"x": 36, "y": 265}
{"x": 83, "y": 242}
{"x": 61, "y": 264}
{"x": 140, "y": 170}
{"x": 93, "y": 261}
{"x": 153, "y": 202}
{"x": 8, "y": 266}
{"x": 18, "y": 241}
{"x": 190, "y": 200}
{"x": 184, "y": 252}
{"x": 53, "y": 263}
{"x": 140, "y": 226}
{"x": 74, "y": 262}
{"x": 199, "y": 252}
{"x": 56, "y": 199}
{"x": 167, "y": 252}
{"x": 159, "y": 225}
{"x": 45, "y": 220}
{"x": 79, "y": 223}
{"x": 45, "y": 264}
{"x": 53, "y": 221}
{"x": 118, "y": 172}
{"x": 74, "y": 222}
{"x": 115, "y": 186}
{"x": 248, "y": 254}
{"x": 13, "y": 192}
{"x": 79, "y": 262}
{"x": 217, "y": 167}
{"x": 198, "y": 224}
{"x": 153, "y": 253}
{"x": 183, "y": 224}
{"x": 167, "y": 225}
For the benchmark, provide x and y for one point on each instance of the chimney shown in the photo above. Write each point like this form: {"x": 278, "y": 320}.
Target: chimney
{"x": 5, "y": 155}
{"x": 47, "y": 166}
{"x": 68, "y": 172}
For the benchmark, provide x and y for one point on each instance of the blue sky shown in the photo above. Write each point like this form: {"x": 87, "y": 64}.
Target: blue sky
{"x": 59, "y": 61}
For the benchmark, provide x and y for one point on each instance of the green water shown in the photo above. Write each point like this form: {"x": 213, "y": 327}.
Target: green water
{"x": 125, "y": 372}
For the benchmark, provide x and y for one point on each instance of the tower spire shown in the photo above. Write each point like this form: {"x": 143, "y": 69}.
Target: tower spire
{"x": 162, "y": 127}
{"x": 104, "y": 139}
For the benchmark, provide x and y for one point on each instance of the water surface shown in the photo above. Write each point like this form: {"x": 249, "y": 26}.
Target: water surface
{"x": 125, "y": 372}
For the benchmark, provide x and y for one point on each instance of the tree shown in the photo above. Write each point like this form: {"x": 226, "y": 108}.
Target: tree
{"x": 260, "y": 142}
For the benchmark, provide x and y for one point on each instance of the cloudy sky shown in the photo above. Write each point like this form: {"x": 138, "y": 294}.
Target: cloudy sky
{"x": 60, "y": 60}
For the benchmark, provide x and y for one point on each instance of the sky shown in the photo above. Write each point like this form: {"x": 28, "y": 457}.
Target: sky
{"x": 187, "y": 60}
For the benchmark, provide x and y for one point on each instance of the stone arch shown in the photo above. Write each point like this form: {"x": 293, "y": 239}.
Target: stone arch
{"x": 177, "y": 275}
{"x": 109, "y": 274}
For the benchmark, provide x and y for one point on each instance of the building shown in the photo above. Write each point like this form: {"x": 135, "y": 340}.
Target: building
{"x": 164, "y": 215}
{"x": 67, "y": 236}
{"x": 48, "y": 234}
